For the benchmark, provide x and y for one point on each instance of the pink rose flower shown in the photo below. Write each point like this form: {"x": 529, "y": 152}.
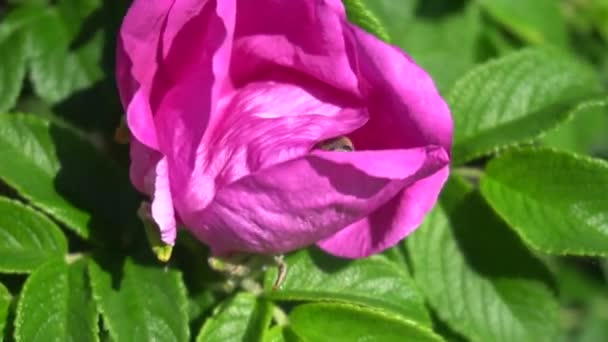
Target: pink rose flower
{"x": 227, "y": 100}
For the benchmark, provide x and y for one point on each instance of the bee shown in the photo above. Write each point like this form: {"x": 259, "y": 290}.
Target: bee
{"x": 339, "y": 144}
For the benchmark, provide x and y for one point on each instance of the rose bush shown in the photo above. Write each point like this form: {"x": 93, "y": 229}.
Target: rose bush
{"x": 226, "y": 101}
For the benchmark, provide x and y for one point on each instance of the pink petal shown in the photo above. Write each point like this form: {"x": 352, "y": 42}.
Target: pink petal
{"x": 304, "y": 37}
{"x": 137, "y": 63}
{"x": 162, "y": 205}
{"x": 172, "y": 56}
{"x": 143, "y": 166}
{"x": 263, "y": 124}
{"x": 390, "y": 223}
{"x": 301, "y": 201}
{"x": 191, "y": 82}
{"x": 405, "y": 108}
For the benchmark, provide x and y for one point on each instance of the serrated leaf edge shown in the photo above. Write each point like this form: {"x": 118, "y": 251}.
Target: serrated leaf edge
{"x": 18, "y": 312}
{"x": 460, "y": 86}
{"x": 42, "y": 217}
{"x": 520, "y": 232}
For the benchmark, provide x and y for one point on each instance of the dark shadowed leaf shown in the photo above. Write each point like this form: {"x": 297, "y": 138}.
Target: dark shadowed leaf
{"x": 64, "y": 175}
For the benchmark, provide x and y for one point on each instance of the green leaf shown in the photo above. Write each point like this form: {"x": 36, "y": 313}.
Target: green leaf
{"x": 394, "y": 15}
{"x": 360, "y": 15}
{"x": 555, "y": 201}
{"x": 478, "y": 276}
{"x": 56, "y": 305}
{"x": 281, "y": 334}
{"x": 65, "y": 176}
{"x": 140, "y": 303}
{"x": 430, "y": 39}
{"x": 515, "y": 99}
{"x": 12, "y": 69}
{"x": 27, "y": 238}
{"x": 61, "y": 45}
{"x": 240, "y": 318}
{"x": 14, "y": 52}
{"x": 595, "y": 325}
{"x": 537, "y": 22}
{"x": 576, "y": 286}
{"x": 64, "y": 56}
{"x": 316, "y": 276}
{"x": 584, "y": 132}
{"x": 5, "y": 301}
{"x": 341, "y": 322}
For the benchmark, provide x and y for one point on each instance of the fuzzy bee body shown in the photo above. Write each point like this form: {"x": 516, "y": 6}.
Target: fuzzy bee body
{"x": 339, "y": 144}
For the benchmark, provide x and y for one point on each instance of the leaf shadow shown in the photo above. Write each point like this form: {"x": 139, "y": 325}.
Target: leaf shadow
{"x": 327, "y": 262}
{"x": 436, "y": 9}
{"x": 490, "y": 247}
{"x": 93, "y": 184}
{"x": 105, "y": 114}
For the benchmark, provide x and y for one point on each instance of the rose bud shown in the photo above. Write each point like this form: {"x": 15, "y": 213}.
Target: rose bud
{"x": 230, "y": 104}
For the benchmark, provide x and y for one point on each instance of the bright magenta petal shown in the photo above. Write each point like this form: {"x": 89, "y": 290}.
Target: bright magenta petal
{"x": 137, "y": 63}
{"x": 296, "y": 203}
{"x": 263, "y": 124}
{"x": 227, "y": 98}
{"x": 143, "y": 166}
{"x": 404, "y": 106}
{"x": 391, "y": 222}
{"x": 304, "y": 37}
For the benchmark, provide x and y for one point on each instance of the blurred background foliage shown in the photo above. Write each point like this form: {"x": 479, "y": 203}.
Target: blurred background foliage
{"x": 57, "y": 63}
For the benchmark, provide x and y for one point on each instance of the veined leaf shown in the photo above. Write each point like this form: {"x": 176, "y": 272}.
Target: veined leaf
{"x": 140, "y": 303}
{"x": 65, "y": 176}
{"x": 241, "y": 318}
{"x": 27, "y": 238}
{"x": 376, "y": 282}
{"x": 56, "y": 305}
{"x": 515, "y": 99}
{"x": 51, "y": 41}
{"x": 478, "y": 276}
{"x": 62, "y": 60}
{"x": 555, "y": 201}
{"x": 359, "y": 14}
